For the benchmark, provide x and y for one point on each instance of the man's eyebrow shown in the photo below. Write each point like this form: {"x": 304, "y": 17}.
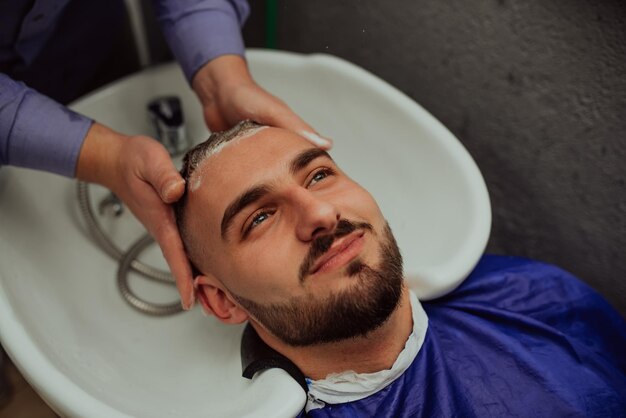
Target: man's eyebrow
{"x": 246, "y": 198}
{"x": 257, "y": 192}
{"x": 304, "y": 158}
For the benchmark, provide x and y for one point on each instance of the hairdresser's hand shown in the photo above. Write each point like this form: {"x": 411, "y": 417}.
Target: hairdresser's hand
{"x": 139, "y": 171}
{"x": 229, "y": 94}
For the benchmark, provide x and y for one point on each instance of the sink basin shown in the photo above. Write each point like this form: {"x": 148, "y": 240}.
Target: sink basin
{"x": 88, "y": 353}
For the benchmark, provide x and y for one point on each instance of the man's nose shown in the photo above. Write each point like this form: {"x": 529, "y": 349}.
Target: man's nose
{"x": 316, "y": 216}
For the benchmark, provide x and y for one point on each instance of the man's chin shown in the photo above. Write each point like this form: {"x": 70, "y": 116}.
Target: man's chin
{"x": 351, "y": 301}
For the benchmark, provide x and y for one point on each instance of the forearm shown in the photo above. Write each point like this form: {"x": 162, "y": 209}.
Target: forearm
{"x": 37, "y": 132}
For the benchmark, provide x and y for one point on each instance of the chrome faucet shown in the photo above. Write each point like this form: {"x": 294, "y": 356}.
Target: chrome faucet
{"x": 166, "y": 114}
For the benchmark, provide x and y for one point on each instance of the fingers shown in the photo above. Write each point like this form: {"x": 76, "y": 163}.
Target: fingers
{"x": 301, "y": 128}
{"x": 145, "y": 178}
{"x": 173, "y": 250}
{"x": 276, "y": 113}
{"x": 157, "y": 184}
{"x": 318, "y": 141}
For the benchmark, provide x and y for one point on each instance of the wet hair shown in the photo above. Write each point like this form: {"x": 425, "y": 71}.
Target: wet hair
{"x": 191, "y": 161}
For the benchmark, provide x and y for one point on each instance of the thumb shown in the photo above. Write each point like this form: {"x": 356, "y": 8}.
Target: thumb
{"x": 160, "y": 172}
{"x": 173, "y": 187}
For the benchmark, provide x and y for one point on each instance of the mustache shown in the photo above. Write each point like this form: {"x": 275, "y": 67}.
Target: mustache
{"x": 322, "y": 244}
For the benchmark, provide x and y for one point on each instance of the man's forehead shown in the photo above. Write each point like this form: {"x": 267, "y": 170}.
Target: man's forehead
{"x": 248, "y": 157}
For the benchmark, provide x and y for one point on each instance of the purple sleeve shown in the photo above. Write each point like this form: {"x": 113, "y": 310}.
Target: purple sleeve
{"x": 198, "y": 31}
{"x": 37, "y": 132}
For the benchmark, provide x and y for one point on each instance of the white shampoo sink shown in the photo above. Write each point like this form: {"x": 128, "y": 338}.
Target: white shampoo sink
{"x": 64, "y": 324}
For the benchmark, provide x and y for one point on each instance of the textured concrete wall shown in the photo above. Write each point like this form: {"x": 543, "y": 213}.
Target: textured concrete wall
{"x": 535, "y": 90}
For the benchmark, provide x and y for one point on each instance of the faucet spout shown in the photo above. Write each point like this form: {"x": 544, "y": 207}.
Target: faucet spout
{"x": 167, "y": 117}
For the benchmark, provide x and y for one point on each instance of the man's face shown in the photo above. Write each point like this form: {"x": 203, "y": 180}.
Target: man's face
{"x": 292, "y": 238}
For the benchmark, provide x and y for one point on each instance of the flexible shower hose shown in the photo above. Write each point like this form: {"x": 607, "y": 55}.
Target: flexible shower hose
{"x": 128, "y": 260}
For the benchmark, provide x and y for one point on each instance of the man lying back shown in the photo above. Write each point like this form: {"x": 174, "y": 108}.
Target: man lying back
{"x": 283, "y": 239}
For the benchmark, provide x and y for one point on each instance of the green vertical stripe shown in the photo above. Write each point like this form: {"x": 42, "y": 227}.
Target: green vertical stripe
{"x": 271, "y": 20}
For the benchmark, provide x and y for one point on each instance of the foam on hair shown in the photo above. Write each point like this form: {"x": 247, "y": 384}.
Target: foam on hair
{"x": 198, "y": 154}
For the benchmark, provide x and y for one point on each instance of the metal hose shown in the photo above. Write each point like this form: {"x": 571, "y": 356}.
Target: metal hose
{"x": 128, "y": 260}
{"x": 135, "y": 301}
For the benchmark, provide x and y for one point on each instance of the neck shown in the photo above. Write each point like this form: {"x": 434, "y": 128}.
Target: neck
{"x": 376, "y": 351}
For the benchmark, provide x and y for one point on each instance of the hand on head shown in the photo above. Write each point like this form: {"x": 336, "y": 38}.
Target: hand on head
{"x": 229, "y": 94}
{"x": 139, "y": 171}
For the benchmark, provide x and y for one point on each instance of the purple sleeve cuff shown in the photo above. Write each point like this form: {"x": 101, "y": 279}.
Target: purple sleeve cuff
{"x": 37, "y": 132}
{"x": 202, "y": 30}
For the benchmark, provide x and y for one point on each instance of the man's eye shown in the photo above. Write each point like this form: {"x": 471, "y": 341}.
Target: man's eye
{"x": 320, "y": 175}
{"x": 257, "y": 220}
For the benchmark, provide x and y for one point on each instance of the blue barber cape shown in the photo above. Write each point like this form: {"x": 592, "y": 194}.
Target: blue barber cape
{"x": 518, "y": 338}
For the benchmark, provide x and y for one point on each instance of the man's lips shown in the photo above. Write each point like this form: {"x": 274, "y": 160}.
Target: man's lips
{"x": 340, "y": 253}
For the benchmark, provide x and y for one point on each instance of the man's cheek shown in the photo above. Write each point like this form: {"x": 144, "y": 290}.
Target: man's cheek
{"x": 268, "y": 260}
{"x": 359, "y": 204}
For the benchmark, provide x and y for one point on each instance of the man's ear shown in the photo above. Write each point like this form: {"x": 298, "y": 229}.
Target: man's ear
{"x": 215, "y": 300}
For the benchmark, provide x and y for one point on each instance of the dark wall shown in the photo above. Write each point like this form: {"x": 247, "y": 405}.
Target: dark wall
{"x": 535, "y": 90}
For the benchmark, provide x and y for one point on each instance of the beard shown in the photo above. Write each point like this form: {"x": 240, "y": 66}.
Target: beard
{"x": 352, "y": 312}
